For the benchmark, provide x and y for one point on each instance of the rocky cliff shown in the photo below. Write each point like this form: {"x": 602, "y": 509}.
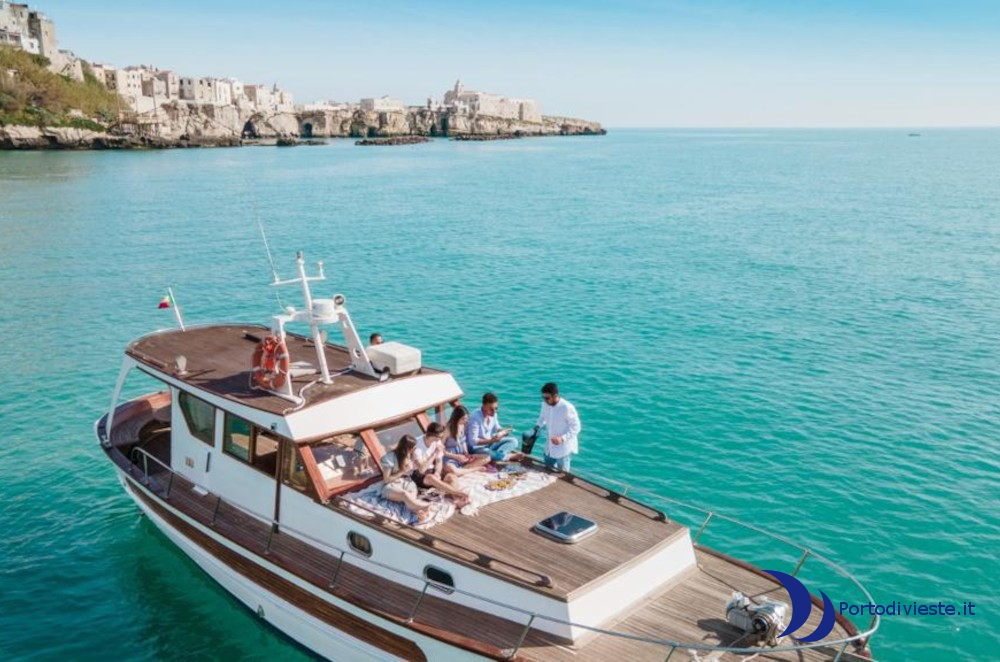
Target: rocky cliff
{"x": 422, "y": 122}
{"x": 190, "y": 125}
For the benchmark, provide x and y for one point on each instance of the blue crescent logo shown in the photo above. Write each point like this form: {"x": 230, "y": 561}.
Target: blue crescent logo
{"x": 802, "y": 605}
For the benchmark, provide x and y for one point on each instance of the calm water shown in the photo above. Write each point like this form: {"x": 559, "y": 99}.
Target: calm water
{"x": 801, "y": 329}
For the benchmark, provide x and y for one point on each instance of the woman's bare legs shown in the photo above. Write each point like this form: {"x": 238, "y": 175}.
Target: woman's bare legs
{"x": 477, "y": 463}
{"x": 446, "y": 487}
{"x": 418, "y": 506}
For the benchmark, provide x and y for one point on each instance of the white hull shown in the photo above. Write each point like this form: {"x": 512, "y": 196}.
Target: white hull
{"x": 311, "y": 632}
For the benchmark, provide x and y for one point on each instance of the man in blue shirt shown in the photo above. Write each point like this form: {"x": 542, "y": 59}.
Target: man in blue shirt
{"x": 484, "y": 434}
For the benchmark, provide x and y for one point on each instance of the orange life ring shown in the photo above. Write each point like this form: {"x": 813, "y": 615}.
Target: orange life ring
{"x": 271, "y": 363}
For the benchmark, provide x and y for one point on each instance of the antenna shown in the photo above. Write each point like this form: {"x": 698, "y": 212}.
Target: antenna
{"x": 267, "y": 248}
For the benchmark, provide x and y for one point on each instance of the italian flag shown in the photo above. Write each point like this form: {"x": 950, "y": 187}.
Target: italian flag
{"x": 165, "y": 302}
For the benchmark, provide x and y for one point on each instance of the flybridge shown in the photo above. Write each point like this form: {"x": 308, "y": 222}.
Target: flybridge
{"x": 272, "y": 366}
{"x": 317, "y": 313}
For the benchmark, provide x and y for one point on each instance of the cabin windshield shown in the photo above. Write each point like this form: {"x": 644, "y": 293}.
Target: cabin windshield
{"x": 389, "y": 436}
{"x": 343, "y": 460}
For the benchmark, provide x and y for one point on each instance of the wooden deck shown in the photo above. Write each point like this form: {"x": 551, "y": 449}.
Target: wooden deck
{"x": 627, "y": 532}
{"x": 219, "y": 360}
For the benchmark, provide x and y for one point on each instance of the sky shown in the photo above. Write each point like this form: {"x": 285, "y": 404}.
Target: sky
{"x": 632, "y": 63}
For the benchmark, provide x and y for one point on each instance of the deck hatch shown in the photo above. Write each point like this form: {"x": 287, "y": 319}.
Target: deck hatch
{"x": 565, "y": 527}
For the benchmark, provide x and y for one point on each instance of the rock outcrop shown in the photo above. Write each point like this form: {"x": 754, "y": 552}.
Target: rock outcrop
{"x": 422, "y": 122}
{"x": 193, "y": 125}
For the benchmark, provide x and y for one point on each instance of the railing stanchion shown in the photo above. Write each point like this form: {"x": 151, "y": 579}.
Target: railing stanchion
{"x": 520, "y": 640}
{"x": 798, "y": 566}
{"x": 270, "y": 537}
{"x": 215, "y": 511}
{"x": 704, "y": 524}
{"x": 170, "y": 484}
{"x": 145, "y": 469}
{"x": 340, "y": 564}
{"x": 625, "y": 491}
{"x": 670, "y": 654}
{"x": 413, "y": 612}
{"x": 840, "y": 653}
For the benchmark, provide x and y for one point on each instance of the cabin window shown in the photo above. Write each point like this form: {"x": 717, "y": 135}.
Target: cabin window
{"x": 199, "y": 416}
{"x": 265, "y": 451}
{"x": 344, "y": 459}
{"x": 389, "y": 436}
{"x": 295, "y": 471}
{"x": 248, "y": 443}
{"x": 439, "y": 579}
{"x": 236, "y": 440}
{"x": 359, "y": 543}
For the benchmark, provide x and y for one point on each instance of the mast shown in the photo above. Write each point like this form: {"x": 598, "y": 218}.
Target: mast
{"x": 319, "y": 312}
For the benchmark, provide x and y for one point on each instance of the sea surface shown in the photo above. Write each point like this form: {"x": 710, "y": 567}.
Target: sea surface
{"x": 799, "y": 329}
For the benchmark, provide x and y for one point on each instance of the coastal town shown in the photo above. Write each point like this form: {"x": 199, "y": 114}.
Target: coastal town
{"x": 159, "y": 107}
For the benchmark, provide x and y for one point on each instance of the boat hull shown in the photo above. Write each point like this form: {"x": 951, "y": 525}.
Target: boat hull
{"x": 330, "y": 627}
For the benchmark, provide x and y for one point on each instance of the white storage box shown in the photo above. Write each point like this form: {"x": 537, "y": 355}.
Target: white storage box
{"x": 395, "y": 357}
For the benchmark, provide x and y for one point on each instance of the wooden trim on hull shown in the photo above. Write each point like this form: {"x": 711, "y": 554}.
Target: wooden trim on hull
{"x": 333, "y": 616}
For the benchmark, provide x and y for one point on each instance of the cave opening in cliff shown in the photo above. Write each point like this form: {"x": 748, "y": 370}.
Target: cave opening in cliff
{"x": 249, "y": 130}
{"x": 444, "y": 127}
{"x": 307, "y": 130}
{"x": 372, "y": 132}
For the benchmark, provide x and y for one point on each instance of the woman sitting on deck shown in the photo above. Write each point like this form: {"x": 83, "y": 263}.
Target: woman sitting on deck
{"x": 458, "y": 460}
{"x": 429, "y": 464}
{"x": 398, "y": 469}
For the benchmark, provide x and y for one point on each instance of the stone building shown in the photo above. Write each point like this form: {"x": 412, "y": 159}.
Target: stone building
{"x": 171, "y": 85}
{"x": 382, "y": 105}
{"x": 259, "y": 96}
{"x": 481, "y": 103}
{"x": 32, "y": 31}
{"x": 126, "y": 82}
{"x": 197, "y": 90}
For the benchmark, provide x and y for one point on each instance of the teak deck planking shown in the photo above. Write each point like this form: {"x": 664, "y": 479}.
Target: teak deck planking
{"x": 219, "y": 360}
{"x": 627, "y": 531}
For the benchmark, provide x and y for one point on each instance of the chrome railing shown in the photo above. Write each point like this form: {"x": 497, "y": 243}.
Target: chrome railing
{"x": 861, "y": 639}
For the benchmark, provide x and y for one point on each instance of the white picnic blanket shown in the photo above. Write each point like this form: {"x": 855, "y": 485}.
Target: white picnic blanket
{"x": 443, "y": 508}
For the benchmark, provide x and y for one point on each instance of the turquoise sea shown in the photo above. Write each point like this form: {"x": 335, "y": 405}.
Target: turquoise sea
{"x": 800, "y": 329}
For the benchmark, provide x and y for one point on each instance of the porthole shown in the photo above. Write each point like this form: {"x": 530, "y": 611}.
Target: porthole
{"x": 439, "y": 579}
{"x": 359, "y": 543}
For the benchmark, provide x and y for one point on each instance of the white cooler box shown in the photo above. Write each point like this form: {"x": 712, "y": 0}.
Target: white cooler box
{"x": 394, "y": 357}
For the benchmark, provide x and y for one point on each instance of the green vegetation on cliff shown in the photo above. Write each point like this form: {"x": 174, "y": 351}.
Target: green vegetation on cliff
{"x": 31, "y": 95}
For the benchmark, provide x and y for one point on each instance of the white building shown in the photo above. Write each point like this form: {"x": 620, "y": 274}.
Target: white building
{"x": 171, "y": 85}
{"x": 327, "y": 104}
{"x": 33, "y": 32}
{"x": 197, "y": 90}
{"x": 283, "y": 100}
{"x": 259, "y": 96}
{"x": 482, "y": 103}
{"x": 236, "y": 93}
{"x": 126, "y": 82}
{"x": 382, "y": 105}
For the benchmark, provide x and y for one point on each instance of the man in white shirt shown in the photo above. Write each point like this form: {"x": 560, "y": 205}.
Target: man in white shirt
{"x": 562, "y": 427}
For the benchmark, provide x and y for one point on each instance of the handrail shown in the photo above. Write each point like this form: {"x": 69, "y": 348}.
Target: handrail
{"x": 860, "y": 637}
{"x": 710, "y": 514}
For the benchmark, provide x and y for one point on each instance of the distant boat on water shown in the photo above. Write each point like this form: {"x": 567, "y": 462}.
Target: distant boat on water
{"x": 913, "y": 135}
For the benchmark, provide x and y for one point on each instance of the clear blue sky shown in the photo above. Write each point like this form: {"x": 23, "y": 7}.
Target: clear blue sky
{"x": 631, "y": 63}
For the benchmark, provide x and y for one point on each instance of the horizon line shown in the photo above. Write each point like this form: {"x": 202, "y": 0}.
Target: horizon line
{"x": 818, "y": 127}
